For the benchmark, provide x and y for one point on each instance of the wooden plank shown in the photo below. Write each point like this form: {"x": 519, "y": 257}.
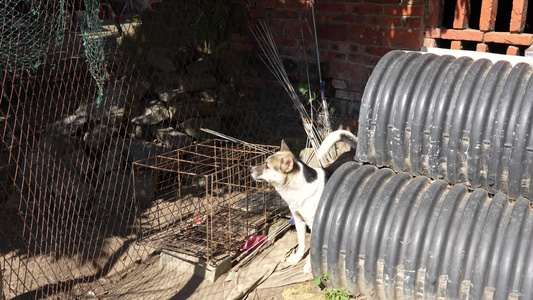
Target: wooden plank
{"x": 462, "y": 13}
{"x": 518, "y": 16}
{"x": 489, "y": 8}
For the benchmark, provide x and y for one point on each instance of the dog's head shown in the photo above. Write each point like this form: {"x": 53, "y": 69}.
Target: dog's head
{"x": 277, "y": 167}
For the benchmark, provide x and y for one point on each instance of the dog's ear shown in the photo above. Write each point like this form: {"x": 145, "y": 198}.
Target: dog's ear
{"x": 284, "y": 146}
{"x": 287, "y": 163}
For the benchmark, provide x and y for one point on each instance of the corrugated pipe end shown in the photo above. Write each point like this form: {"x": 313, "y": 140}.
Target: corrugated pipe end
{"x": 388, "y": 235}
{"x": 451, "y": 118}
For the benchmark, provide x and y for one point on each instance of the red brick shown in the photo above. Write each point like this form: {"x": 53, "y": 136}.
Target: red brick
{"x": 433, "y": 13}
{"x": 277, "y": 28}
{"x": 280, "y": 42}
{"x": 295, "y": 29}
{"x": 430, "y": 43}
{"x": 482, "y": 47}
{"x": 349, "y": 18}
{"x": 367, "y": 9}
{"x": 404, "y": 38}
{"x": 333, "y": 32}
{"x": 322, "y": 44}
{"x": 456, "y": 45}
{"x": 258, "y": 13}
{"x": 369, "y": 35}
{"x": 292, "y": 52}
{"x": 346, "y": 95}
{"x": 518, "y": 16}
{"x": 363, "y": 58}
{"x": 330, "y": 7}
{"x": 432, "y": 32}
{"x": 355, "y": 86}
{"x": 512, "y": 50}
{"x": 464, "y": 35}
{"x": 345, "y": 47}
{"x": 242, "y": 46}
{"x": 523, "y": 39}
{"x": 270, "y": 4}
{"x": 283, "y": 14}
{"x": 333, "y": 55}
{"x": 453, "y": 34}
{"x": 413, "y": 22}
{"x": 343, "y": 70}
{"x": 322, "y": 16}
{"x": 488, "y": 15}
{"x": 383, "y": 21}
{"x": 462, "y": 12}
{"x": 413, "y": 2}
{"x": 395, "y": 2}
{"x": 396, "y": 10}
{"x": 339, "y": 84}
{"x": 297, "y": 5}
{"x": 356, "y": 48}
{"x": 376, "y": 50}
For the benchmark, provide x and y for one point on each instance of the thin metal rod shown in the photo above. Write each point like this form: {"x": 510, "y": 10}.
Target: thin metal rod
{"x": 232, "y": 139}
{"x": 275, "y": 65}
{"x": 316, "y": 41}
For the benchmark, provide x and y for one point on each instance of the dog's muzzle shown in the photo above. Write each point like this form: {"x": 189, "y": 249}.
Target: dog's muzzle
{"x": 255, "y": 176}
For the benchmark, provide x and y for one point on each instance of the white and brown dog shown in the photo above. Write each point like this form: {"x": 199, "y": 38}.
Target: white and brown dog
{"x": 300, "y": 185}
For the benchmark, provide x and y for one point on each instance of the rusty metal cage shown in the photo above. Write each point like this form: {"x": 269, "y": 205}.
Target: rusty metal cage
{"x": 201, "y": 200}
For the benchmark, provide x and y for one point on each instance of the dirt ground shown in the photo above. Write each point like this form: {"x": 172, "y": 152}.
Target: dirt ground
{"x": 273, "y": 279}
{"x": 149, "y": 281}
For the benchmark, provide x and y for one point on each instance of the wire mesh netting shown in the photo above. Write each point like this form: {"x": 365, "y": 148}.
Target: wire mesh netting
{"x": 91, "y": 87}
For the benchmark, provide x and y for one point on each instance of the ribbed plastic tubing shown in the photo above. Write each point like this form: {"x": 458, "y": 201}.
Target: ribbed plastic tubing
{"x": 456, "y": 119}
{"x": 390, "y": 235}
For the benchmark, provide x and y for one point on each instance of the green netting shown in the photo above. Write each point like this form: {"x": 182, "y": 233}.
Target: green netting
{"x": 94, "y": 46}
{"x": 27, "y": 30}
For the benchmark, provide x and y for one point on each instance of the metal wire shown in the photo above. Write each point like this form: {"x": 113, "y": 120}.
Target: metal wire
{"x": 82, "y": 107}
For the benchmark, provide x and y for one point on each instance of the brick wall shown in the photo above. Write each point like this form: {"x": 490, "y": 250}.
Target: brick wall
{"x": 352, "y": 36}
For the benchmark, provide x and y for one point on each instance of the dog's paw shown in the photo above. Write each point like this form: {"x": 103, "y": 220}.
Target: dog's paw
{"x": 307, "y": 267}
{"x": 294, "y": 259}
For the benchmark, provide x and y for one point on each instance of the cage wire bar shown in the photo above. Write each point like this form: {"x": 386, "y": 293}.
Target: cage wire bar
{"x": 204, "y": 202}
{"x": 90, "y": 91}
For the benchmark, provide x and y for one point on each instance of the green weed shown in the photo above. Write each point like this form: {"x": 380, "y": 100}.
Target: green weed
{"x": 329, "y": 292}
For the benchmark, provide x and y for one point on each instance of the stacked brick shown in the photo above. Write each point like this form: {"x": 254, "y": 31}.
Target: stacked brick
{"x": 461, "y": 32}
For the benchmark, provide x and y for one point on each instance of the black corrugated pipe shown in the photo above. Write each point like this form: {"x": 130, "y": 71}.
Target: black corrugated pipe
{"x": 456, "y": 119}
{"x": 392, "y": 236}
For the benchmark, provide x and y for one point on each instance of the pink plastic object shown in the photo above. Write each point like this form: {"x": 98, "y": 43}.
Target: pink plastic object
{"x": 254, "y": 241}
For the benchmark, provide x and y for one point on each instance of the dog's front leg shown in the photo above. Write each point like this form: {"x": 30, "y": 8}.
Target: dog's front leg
{"x": 300, "y": 231}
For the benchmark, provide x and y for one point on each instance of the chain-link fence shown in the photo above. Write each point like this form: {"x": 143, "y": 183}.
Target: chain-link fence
{"x": 90, "y": 87}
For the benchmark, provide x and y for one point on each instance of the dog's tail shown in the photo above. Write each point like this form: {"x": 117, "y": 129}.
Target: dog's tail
{"x": 333, "y": 138}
